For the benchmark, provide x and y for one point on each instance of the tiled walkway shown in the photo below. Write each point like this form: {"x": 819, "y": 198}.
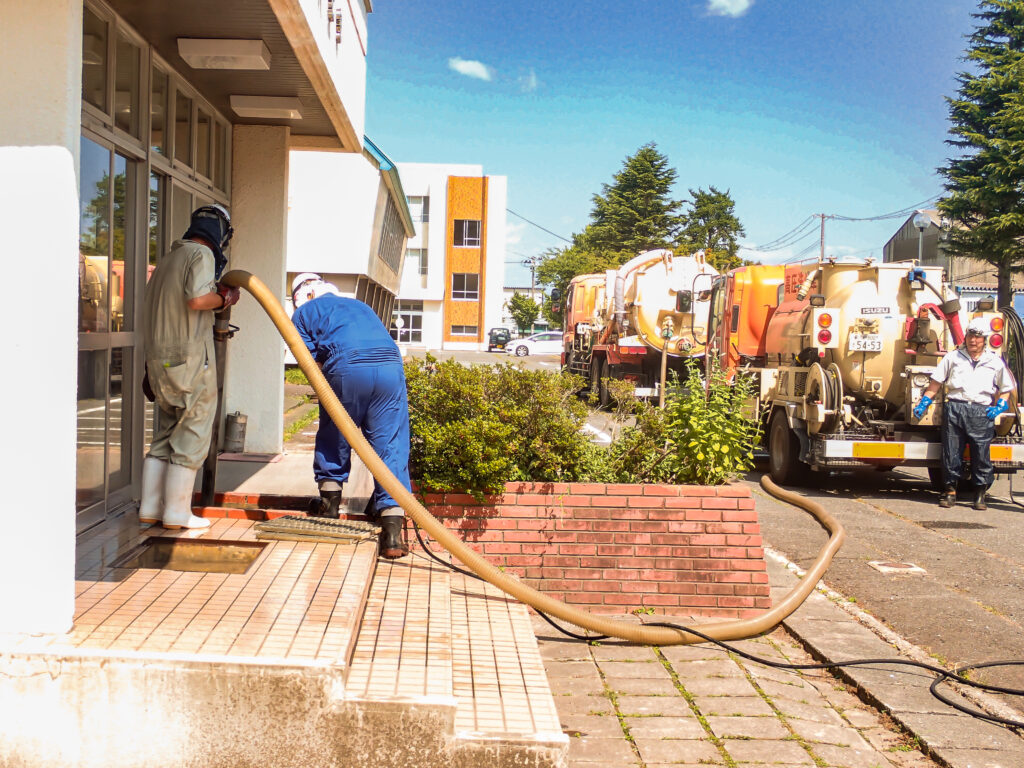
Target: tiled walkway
{"x": 626, "y": 705}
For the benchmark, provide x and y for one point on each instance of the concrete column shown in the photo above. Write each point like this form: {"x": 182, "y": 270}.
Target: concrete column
{"x": 40, "y": 107}
{"x": 254, "y": 381}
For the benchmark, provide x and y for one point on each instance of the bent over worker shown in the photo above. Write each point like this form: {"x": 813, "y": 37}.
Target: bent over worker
{"x": 181, "y": 296}
{"x": 977, "y": 386}
{"x": 362, "y": 364}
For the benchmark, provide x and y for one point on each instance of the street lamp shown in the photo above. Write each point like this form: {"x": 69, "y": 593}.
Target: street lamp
{"x": 921, "y": 221}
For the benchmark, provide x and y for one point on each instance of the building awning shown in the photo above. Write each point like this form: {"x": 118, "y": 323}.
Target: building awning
{"x": 389, "y": 172}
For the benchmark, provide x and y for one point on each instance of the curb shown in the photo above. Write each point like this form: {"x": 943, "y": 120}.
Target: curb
{"x": 832, "y": 630}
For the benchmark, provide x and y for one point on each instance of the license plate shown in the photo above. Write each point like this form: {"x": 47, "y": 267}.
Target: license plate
{"x": 865, "y": 342}
{"x": 878, "y": 450}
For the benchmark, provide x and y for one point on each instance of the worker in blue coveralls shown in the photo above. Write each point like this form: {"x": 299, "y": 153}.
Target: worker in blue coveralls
{"x": 362, "y": 364}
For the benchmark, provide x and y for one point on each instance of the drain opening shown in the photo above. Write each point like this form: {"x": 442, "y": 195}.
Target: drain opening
{"x": 202, "y": 555}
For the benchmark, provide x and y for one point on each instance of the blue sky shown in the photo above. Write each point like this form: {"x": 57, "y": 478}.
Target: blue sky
{"x": 796, "y": 107}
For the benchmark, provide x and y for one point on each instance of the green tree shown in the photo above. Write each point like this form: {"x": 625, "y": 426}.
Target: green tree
{"x": 711, "y": 225}
{"x": 561, "y": 265}
{"x": 635, "y": 213}
{"x": 524, "y": 311}
{"x": 984, "y": 187}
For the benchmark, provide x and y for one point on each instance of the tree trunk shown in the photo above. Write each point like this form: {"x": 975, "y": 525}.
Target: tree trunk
{"x": 1005, "y": 297}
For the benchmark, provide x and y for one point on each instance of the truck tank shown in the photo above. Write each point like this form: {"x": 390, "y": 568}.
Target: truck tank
{"x": 862, "y": 324}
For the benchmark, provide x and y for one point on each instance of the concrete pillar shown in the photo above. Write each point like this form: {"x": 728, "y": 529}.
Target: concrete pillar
{"x": 40, "y": 108}
{"x": 254, "y": 381}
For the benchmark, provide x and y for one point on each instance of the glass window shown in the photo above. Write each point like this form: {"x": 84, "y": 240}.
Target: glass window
{"x": 182, "y": 128}
{"x": 466, "y": 287}
{"x": 181, "y": 211}
{"x": 119, "y": 419}
{"x": 464, "y": 330}
{"x": 467, "y": 233}
{"x": 94, "y": 60}
{"x": 220, "y": 156}
{"x": 94, "y": 237}
{"x": 419, "y": 208}
{"x": 158, "y": 112}
{"x": 204, "y": 135}
{"x": 126, "y": 85}
{"x": 157, "y": 187}
{"x": 122, "y": 270}
{"x": 407, "y": 322}
{"x": 92, "y": 427}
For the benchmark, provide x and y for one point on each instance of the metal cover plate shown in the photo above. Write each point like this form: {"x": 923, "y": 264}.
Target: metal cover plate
{"x": 296, "y": 528}
{"x": 878, "y": 450}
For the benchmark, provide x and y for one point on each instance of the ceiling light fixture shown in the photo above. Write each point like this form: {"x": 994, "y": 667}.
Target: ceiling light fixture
{"x": 269, "y": 107}
{"x": 209, "y": 53}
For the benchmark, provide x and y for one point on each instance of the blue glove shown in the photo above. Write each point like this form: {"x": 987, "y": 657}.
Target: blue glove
{"x": 994, "y": 410}
{"x": 922, "y": 406}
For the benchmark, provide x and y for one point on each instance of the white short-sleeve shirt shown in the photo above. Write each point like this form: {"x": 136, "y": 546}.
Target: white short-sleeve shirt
{"x": 973, "y": 381}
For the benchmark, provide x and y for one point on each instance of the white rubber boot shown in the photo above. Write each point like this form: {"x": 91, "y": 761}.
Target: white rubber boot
{"x": 178, "y": 487}
{"x": 151, "y": 508}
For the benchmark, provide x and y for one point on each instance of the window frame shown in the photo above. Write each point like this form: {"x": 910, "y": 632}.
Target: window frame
{"x": 459, "y": 230}
{"x": 463, "y": 294}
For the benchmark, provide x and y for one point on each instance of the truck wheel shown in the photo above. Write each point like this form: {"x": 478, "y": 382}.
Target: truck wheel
{"x": 603, "y": 395}
{"x": 595, "y": 375}
{"x": 784, "y": 465}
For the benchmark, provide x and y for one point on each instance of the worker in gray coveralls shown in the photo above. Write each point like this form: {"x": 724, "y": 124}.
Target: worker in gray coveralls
{"x": 977, "y": 387}
{"x": 181, "y": 297}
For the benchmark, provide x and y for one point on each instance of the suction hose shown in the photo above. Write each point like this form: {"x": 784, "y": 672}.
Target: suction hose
{"x": 646, "y": 635}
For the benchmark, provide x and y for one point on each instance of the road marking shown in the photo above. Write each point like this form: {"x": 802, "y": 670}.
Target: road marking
{"x": 599, "y": 436}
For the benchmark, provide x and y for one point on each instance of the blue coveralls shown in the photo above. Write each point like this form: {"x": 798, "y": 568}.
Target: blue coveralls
{"x": 362, "y": 364}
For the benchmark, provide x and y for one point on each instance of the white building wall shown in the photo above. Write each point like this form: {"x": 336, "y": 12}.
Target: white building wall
{"x": 40, "y": 109}
{"x": 497, "y": 202}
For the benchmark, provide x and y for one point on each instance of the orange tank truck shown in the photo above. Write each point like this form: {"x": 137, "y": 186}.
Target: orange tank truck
{"x": 841, "y": 351}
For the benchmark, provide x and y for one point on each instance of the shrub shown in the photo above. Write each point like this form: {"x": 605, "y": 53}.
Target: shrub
{"x": 295, "y": 375}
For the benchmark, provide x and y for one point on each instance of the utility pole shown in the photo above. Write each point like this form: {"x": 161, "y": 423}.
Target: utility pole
{"x": 821, "y": 256}
{"x": 531, "y": 262}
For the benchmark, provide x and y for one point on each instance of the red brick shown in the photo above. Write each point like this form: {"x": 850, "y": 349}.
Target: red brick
{"x": 747, "y": 565}
{"x": 559, "y": 585}
{"x": 743, "y": 541}
{"x": 632, "y": 538}
{"x": 666, "y": 514}
{"x": 660, "y": 600}
{"x": 754, "y": 590}
{"x": 532, "y": 500}
{"x": 598, "y": 562}
{"x": 718, "y": 503}
{"x": 531, "y": 536}
{"x": 606, "y": 537}
{"x": 736, "y": 602}
{"x": 584, "y": 573}
{"x": 599, "y": 489}
{"x": 635, "y": 586}
{"x": 661, "y": 490}
{"x": 733, "y": 578}
{"x": 682, "y": 566}
{"x": 608, "y": 501}
{"x": 716, "y": 589}
{"x": 537, "y": 549}
{"x": 620, "y": 599}
{"x": 727, "y": 528}
{"x": 707, "y": 515}
{"x": 572, "y": 500}
{"x": 759, "y": 578}
{"x": 621, "y": 574}
{"x": 563, "y": 524}
{"x": 582, "y": 598}
{"x": 755, "y": 553}
{"x": 613, "y": 550}
{"x": 707, "y": 540}
{"x": 611, "y": 525}
{"x": 515, "y": 510}
{"x": 521, "y": 561}
{"x": 704, "y": 601}
{"x": 499, "y": 524}
{"x": 650, "y": 574}
{"x": 502, "y": 549}
{"x": 683, "y": 502}
{"x": 592, "y": 513}
{"x": 517, "y": 487}
{"x": 636, "y": 562}
{"x": 483, "y": 535}
{"x": 762, "y": 602}
{"x": 745, "y": 504}
{"x": 459, "y": 498}
{"x": 734, "y": 489}
{"x": 677, "y": 588}
{"x": 727, "y": 552}
{"x": 660, "y": 551}
{"x": 432, "y": 498}
{"x": 690, "y": 551}
{"x": 551, "y": 573}
{"x": 686, "y": 526}
{"x": 577, "y": 549}
{"x": 624, "y": 489}
{"x": 600, "y": 585}
{"x": 739, "y": 515}
{"x": 635, "y": 515}
{"x": 647, "y": 502}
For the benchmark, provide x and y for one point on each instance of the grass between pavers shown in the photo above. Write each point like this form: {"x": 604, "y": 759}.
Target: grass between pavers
{"x": 301, "y": 423}
{"x": 613, "y": 697}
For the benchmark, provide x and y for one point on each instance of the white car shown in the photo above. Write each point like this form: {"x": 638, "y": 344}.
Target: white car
{"x": 546, "y": 343}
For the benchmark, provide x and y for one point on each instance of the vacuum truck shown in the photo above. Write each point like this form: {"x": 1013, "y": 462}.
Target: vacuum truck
{"x": 622, "y": 323}
{"x": 841, "y": 352}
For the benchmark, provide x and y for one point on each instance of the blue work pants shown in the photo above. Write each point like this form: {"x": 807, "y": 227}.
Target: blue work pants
{"x": 375, "y": 398}
{"x": 966, "y": 424}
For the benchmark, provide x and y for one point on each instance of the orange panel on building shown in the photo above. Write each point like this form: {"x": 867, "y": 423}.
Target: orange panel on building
{"x": 467, "y": 200}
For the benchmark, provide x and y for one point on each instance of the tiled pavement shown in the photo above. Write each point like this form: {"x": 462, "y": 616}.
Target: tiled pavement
{"x": 627, "y": 705}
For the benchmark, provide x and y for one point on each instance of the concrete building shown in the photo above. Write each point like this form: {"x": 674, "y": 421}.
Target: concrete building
{"x": 535, "y": 293}
{"x": 451, "y": 288}
{"x": 116, "y": 120}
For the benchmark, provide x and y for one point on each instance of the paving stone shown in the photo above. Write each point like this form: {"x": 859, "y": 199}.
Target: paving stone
{"x": 606, "y": 751}
{"x": 634, "y": 669}
{"x": 642, "y": 686}
{"x": 981, "y": 758}
{"x": 587, "y": 686}
{"x": 674, "y": 705}
{"x": 732, "y": 706}
{"x": 796, "y": 690}
{"x": 574, "y": 704}
{"x": 677, "y": 750}
{"x": 569, "y": 651}
{"x": 765, "y": 751}
{"x": 683, "y": 765}
{"x": 570, "y": 668}
{"x": 816, "y": 709}
{"x": 961, "y": 732}
{"x": 850, "y": 757}
{"x": 861, "y": 717}
{"x": 747, "y": 727}
{"x": 760, "y": 672}
{"x": 698, "y": 668}
{"x": 676, "y": 653}
{"x": 719, "y": 686}
{"x": 623, "y": 652}
{"x": 822, "y": 733}
{"x": 666, "y": 727}
{"x": 592, "y": 726}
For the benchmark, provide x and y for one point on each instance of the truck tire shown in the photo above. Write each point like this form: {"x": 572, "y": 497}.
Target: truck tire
{"x": 784, "y": 465}
{"x": 595, "y": 375}
{"x": 604, "y": 397}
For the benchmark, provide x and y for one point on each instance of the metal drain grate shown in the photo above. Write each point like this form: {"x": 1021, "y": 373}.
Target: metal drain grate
{"x": 294, "y": 528}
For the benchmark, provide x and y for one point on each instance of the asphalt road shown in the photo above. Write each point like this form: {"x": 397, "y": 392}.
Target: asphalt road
{"x": 966, "y": 607}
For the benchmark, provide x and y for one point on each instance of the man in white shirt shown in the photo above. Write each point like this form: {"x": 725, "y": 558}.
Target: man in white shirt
{"x": 978, "y": 384}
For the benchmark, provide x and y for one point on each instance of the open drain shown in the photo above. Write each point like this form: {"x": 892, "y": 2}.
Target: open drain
{"x": 202, "y": 555}
{"x": 883, "y": 566}
{"x": 295, "y": 528}
{"x": 933, "y": 524}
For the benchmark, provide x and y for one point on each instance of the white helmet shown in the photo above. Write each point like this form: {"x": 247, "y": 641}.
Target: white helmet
{"x": 979, "y": 326}
{"x": 308, "y": 286}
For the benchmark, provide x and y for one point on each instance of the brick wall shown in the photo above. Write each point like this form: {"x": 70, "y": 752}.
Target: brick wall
{"x": 615, "y": 548}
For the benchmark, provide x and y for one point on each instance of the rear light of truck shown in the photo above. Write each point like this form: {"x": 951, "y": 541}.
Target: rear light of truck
{"x": 996, "y": 325}
{"x": 996, "y": 340}
{"x": 824, "y": 321}
{"x": 824, "y": 337}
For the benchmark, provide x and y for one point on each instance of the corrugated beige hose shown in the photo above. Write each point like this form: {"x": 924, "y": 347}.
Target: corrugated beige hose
{"x": 729, "y": 630}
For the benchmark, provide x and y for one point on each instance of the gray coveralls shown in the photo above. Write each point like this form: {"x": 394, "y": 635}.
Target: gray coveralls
{"x": 971, "y": 387}
{"x": 180, "y": 356}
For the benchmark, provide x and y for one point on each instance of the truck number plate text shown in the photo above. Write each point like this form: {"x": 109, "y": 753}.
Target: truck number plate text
{"x": 865, "y": 342}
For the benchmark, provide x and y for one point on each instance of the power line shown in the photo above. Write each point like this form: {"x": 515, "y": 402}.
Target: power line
{"x": 538, "y": 226}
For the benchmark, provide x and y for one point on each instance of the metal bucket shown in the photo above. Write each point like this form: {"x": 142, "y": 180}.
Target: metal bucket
{"x": 234, "y": 432}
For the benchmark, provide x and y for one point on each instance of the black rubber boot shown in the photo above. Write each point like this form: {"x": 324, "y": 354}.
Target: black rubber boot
{"x": 979, "y": 498}
{"x": 327, "y": 505}
{"x": 392, "y": 545}
{"x": 948, "y": 497}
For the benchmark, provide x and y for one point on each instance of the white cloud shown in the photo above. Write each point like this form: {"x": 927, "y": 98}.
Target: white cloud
{"x": 470, "y": 68}
{"x": 734, "y": 8}
{"x": 514, "y": 231}
{"x": 529, "y": 82}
